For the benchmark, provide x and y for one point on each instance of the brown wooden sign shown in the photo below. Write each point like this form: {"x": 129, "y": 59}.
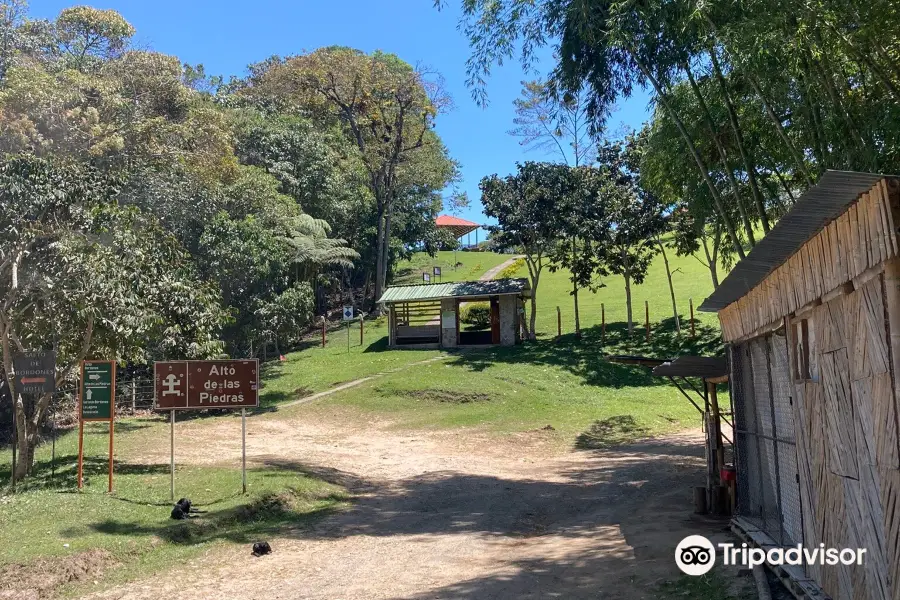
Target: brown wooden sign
{"x": 199, "y": 384}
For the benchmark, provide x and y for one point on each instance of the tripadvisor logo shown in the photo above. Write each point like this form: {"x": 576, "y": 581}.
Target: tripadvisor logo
{"x": 695, "y": 555}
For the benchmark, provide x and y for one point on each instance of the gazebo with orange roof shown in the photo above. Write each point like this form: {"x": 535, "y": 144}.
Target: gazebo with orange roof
{"x": 459, "y": 227}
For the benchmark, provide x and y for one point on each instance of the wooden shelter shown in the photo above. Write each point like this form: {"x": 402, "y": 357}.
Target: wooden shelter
{"x": 428, "y": 315}
{"x": 811, "y": 318}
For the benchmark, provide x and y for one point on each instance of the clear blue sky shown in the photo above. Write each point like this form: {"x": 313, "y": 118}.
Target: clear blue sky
{"x": 225, "y": 36}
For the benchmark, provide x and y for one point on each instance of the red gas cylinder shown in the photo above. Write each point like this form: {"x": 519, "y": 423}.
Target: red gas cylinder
{"x": 728, "y": 473}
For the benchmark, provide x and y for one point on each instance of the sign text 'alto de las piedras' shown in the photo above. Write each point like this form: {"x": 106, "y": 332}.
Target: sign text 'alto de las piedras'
{"x": 198, "y": 384}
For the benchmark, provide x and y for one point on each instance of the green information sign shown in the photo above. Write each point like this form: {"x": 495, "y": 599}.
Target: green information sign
{"x": 97, "y": 390}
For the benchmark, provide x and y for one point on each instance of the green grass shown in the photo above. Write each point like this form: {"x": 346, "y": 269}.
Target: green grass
{"x": 314, "y": 369}
{"x": 712, "y": 586}
{"x": 51, "y": 519}
{"x": 472, "y": 266}
{"x": 568, "y": 384}
{"x": 691, "y": 279}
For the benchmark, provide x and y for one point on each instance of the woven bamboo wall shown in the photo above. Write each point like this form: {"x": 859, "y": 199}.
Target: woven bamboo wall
{"x": 848, "y": 455}
{"x": 861, "y": 238}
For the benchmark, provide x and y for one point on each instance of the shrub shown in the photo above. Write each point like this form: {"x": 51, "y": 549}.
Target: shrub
{"x": 476, "y": 314}
{"x": 512, "y": 270}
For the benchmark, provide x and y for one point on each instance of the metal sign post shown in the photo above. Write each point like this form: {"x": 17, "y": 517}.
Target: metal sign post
{"x": 244, "y": 450}
{"x": 203, "y": 384}
{"x": 172, "y": 454}
{"x": 97, "y": 402}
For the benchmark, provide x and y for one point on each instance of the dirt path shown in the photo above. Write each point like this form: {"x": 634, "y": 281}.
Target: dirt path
{"x": 491, "y": 273}
{"x": 453, "y": 515}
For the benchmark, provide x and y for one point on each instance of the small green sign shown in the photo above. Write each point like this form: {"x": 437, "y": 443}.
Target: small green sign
{"x": 97, "y": 391}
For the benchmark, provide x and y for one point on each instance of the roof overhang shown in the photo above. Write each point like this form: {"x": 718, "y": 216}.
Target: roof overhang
{"x": 818, "y": 206}
{"x": 458, "y": 289}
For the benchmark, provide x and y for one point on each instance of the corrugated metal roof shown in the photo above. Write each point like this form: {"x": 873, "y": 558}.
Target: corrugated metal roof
{"x": 820, "y": 205}
{"x": 457, "y": 289}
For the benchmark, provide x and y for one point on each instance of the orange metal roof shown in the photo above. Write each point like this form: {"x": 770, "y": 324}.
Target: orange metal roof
{"x": 460, "y": 227}
{"x": 448, "y": 221}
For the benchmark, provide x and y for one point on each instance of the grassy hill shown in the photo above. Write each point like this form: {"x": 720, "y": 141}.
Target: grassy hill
{"x": 691, "y": 280}
{"x": 455, "y": 266}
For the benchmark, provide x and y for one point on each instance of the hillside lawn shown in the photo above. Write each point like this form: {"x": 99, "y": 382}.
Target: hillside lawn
{"x": 563, "y": 390}
{"x": 565, "y": 383}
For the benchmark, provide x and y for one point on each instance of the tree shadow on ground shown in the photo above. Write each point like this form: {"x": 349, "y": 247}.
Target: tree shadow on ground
{"x": 588, "y": 356}
{"x": 62, "y": 474}
{"x": 610, "y": 432}
{"x": 601, "y": 518}
{"x": 269, "y": 514}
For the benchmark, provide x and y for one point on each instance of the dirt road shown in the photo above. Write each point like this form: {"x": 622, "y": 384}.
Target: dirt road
{"x": 455, "y": 515}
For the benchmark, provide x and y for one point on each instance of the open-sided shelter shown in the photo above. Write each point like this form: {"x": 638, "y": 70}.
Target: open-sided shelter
{"x": 811, "y": 318}
{"x": 427, "y": 315}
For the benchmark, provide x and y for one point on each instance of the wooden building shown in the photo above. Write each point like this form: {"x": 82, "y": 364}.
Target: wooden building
{"x": 428, "y": 315}
{"x": 811, "y": 318}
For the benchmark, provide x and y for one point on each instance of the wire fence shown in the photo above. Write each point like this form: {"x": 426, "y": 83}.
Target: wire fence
{"x": 768, "y": 481}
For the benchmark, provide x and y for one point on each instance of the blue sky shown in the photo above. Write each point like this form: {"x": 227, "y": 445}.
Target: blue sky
{"x": 226, "y": 36}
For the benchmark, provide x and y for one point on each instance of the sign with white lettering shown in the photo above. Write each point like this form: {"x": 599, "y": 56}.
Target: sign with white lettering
{"x": 35, "y": 372}
{"x": 199, "y": 384}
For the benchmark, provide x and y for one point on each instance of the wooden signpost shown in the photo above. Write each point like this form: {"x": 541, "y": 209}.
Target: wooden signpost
{"x": 203, "y": 384}
{"x": 97, "y": 402}
{"x": 34, "y": 373}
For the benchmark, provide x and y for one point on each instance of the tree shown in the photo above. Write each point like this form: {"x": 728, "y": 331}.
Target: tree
{"x": 387, "y": 108}
{"x": 83, "y": 276}
{"x": 555, "y": 125}
{"x": 527, "y": 207}
{"x": 89, "y": 35}
{"x": 754, "y": 126}
{"x": 635, "y": 220}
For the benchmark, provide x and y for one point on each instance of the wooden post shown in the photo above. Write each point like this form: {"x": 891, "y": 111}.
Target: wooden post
{"x": 133, "y": 394}
{"x": 691, "y": 302}
{"x": 323, "y": 331}
{"x": 716, "y": 434}
{"x": 558, "y": 323}
{"x": 80, "y": 451}
{"x": 647, "y": 317}
{"x": 81, "y": 428}
{"x": 602, "y": 323}
{"x": 112, "y": 428}
{"x": 360, "y": 330}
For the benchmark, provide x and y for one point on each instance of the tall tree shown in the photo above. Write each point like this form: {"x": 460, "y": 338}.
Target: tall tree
{"x": 386, "y": 106}
{"x": 557, "y": 123}
{"x": 527, "y": 207}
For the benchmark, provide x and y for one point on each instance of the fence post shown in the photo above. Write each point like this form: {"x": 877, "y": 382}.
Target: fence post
{"x": 323, "y": 331}
{"x": 647, "y": 317}
{"x": 133, "y": 393}
{"x": 602, "y": 323}
{"x": 691, "y": 301}
{"x": 558, "y": 323}
{"x": 360, "y": 330}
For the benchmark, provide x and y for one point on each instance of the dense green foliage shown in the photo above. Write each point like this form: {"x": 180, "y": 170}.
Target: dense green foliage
{"x": 753, "y": 101}
{"x": 148, "y": 211}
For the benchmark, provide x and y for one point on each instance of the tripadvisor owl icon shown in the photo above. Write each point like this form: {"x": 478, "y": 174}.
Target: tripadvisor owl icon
{"x": 695, "y": 555}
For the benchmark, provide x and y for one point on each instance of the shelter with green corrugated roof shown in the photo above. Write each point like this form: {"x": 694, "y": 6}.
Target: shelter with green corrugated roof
{"x": 428, "y": 315}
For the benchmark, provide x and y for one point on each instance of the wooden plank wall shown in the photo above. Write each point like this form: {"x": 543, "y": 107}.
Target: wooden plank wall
{"x": 862, "y": 238}
{"x": 847, "y": 439}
